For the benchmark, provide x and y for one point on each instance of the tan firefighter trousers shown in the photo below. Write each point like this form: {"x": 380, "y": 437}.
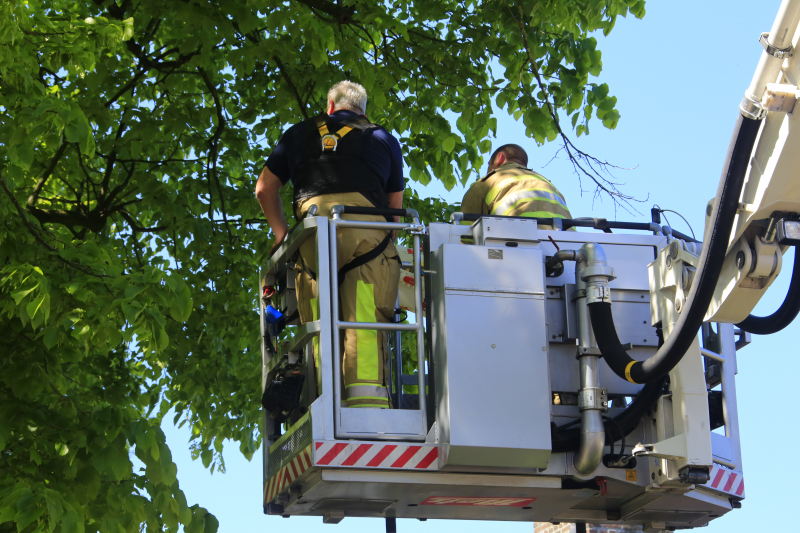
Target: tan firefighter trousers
{"x": 368, "y": 294}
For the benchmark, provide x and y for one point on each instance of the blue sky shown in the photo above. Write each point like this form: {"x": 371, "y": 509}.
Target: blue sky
{"x": 679, "y": 75}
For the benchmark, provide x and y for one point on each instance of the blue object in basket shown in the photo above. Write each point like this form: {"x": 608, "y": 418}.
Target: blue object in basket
{"x": 273, "y": 315}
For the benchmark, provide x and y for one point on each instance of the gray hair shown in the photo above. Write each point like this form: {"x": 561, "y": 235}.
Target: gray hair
{"x": 349, "y": 95}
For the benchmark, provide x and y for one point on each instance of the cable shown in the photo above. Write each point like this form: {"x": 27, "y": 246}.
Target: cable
{"x": 767, "y": 325}
{"x": 613, "y": 440}
{"x": 706, "y": 277}
{"x": 658, "y": 208}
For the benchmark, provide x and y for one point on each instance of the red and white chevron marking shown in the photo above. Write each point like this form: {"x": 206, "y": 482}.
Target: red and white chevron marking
{"x": 725, "y": 480}
{"x": 286, "y": 475}
{"x": 376, "y": 455}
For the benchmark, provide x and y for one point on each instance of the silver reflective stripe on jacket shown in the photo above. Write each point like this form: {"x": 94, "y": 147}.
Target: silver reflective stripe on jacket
{"x": 526, "y": 195}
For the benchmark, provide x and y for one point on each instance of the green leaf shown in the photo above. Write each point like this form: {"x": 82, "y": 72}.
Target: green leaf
{"x": 19, "y": 295}
{"x": 448, "y": 144}
{"x": 211, "y": 524}
{"x": 50, "y": 338}
{"x": 71, "y": 522}
{"x": 6, "y": 514}
{"x": 27, "y": 516}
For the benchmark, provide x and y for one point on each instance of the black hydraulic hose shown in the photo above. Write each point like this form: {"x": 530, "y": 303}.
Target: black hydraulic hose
{"x": 767, "y": 325}
{"x": 568, "y": 440}
{"x": 708, "y": 269}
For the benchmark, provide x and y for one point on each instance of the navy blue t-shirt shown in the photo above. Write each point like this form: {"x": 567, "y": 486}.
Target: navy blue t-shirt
{"x": 380, "y": 149}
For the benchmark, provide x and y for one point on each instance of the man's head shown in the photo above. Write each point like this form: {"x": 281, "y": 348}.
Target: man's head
{"x": 508, "y": 153}
{"x": 347, "y": 95}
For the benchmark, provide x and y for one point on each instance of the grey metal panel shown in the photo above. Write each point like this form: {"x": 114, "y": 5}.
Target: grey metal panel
{"x": 492, "y": 269}
{"x": 496, "y": 231}
{"x": 490, "y": 352}
{"x": 382, "y": 424}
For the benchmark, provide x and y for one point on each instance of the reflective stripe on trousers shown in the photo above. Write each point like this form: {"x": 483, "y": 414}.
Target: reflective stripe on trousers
{"x": 368, "y": 294}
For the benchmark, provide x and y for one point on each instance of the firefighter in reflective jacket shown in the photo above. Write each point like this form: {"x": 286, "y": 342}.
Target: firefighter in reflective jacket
{"x": 341, "y": 158}
{"x": 510, "y": 189}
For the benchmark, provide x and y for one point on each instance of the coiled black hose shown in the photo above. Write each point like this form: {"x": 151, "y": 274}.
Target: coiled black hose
{"x": 709, "y": 267}
{"x": 767, "y": 325}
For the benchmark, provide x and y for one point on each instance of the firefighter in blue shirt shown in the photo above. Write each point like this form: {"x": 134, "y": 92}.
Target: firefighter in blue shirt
{"x": 341, "y": 158}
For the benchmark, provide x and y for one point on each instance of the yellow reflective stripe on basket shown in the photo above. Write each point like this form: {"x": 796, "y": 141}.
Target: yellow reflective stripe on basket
{"x": 628, "y": 371}
{"x": 366, "y": 340}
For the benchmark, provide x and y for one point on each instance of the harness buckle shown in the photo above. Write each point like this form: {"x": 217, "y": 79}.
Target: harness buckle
{"x": 329, "y": 142}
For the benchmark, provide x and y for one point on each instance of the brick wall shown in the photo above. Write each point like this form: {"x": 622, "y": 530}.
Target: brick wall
{"x": 546, "y": 527}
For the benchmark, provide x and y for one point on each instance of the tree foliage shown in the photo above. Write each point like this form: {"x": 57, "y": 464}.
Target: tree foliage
{"x": 131, "y": 135}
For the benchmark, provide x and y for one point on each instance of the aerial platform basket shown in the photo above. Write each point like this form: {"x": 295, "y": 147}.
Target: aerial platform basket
{"x": 500, "y": 373}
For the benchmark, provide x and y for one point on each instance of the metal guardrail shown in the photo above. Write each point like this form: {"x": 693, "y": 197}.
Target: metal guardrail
{"x": 416, "y": 229}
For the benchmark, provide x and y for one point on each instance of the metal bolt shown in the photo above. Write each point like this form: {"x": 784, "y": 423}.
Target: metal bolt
{"x": 494, "y": 346}
{"x": 709, "y": 209}
{"x": 674, "y": 249}
{"x": 678, "y": 304}
{"x": 544, "y": 348}
{"x": 669, "y": 262}
{"x": 740, "y": 260}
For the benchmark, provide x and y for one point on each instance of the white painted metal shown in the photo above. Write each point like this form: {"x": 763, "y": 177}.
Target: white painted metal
{"x": 491, "y": 357}
{"x": 771, "y": 186}
{"x": 383, "y": 424}
{"x": 476, "y": 302}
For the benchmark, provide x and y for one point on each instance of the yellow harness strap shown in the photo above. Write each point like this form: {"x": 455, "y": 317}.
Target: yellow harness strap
{"x": 330, "y": 141}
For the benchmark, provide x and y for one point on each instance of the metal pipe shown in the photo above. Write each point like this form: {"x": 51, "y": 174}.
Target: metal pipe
{"x": 368, "y": 224}
{"x": 592, "y": 275}
{"x": 593, "y": 434}
{"x": 769, "y": 66}
{"x": 398, "y": 361}
{"x": 380, "y": 326}
{"x": 712, "y": 355}
{"x": 420, "y": 327}
{"x": 336, "y": 348}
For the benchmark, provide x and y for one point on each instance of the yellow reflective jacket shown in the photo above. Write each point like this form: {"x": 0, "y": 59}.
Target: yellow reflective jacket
{"x": 513, "y": 190}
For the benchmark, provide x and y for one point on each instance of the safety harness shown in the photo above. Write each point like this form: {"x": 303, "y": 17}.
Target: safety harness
{"x": 330, "y": 143}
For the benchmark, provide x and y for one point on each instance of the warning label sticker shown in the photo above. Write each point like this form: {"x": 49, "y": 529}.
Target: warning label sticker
{"x": 482, "y": 502}
{"x": 630, "y": 475}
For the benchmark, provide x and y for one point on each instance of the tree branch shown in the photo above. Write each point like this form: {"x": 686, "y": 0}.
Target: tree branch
{"x": 342, "y": 15}
{"x": 214, "y": 146}
{"x": 575, "y": 155}
{"x": 136, "y": 227}
{"x": 291, "y": 86}
{"x": 125, "y": 88}
{"x": 37, "y": 189}
{"x": 35, "y": 232}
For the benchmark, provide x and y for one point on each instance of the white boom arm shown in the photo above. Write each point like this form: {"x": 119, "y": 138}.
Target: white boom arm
{"x": 771, "y": 193}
